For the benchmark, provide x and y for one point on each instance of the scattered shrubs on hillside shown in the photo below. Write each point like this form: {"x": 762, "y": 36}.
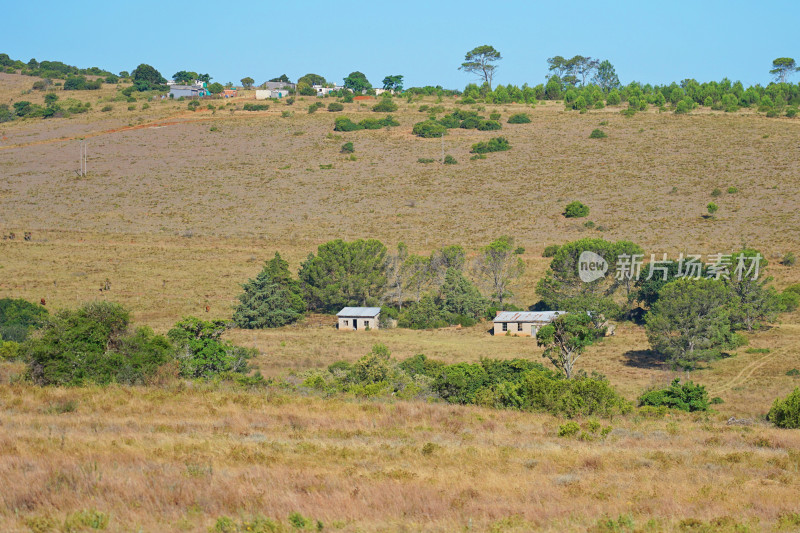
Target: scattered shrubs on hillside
{"x": 386, "y": 105}
{"x": 334, "y": 107}
{"x": 273, "y": 299}
{"x": 429, "y": 129}
{"x": 685, "y": 397}
{"x": 519, "y": 118}
{"x": 597, "y": 134}
{"x": 496, "y": 144}
{"x": 785, "y": 413}
{"x": 18, "y": 317}
{"x": 93, "y": 344}
{"x": 255, "y": 107}
{"x": 576, "y": 210}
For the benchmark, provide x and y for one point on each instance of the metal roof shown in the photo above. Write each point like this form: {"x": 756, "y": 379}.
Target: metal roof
{"x": 527, "y": 316}
{"x": 359, "y": 312}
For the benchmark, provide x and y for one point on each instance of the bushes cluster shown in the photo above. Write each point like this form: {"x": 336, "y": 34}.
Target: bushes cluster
{"x": 95, "y": 344}
{"x": 685, "y": 397}
{"x": 80, "y": 83}
{"x": 429, "y": 129}
{"x": 495, "y": 144}
{"x": 255, "y": 107}
{"x": 510, "y": 384}
{"x": 345, "y": 124}
{"x": 519, "y": 118}
{"x": 457, "y": 119}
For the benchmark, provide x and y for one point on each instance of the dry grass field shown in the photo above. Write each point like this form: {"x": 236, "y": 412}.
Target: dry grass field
{"x": 179, "y": 208}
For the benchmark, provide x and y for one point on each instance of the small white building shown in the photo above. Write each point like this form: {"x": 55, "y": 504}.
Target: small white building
{"x": 266, "y": 94}
{"x": 523, "y": 323}
{"x": 356, "y": 318}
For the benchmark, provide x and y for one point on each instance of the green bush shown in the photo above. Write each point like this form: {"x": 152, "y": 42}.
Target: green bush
{"x": 429, "y": 129}
{"x": 370, "y": 124}
{"x": 450, "y": 160}
{"x": 597, "y": 134}
{"x": 494, "y": 116}
{"x": 789, "y": 259}
{"x": 386, "y": 105}
{"x": 93, "y": 344}
{"x": 9, "y": 350}
{"x": 18, "y": 317}
{"x": 569, "y": 429}
{"x": 334, "y": 107}
{"x": 313, "y": 107}
{"x": 685, "y": 397}
{"x": 488, "y": 125}
{"x": 202, "y": 354}
{"x": 785, "y": 413}
{"x": 345, "y": 124}
{"x": 732, "y": 190}
{"x": 255, "y": 107}
{"x": 519, "y": 118}
{"x": 449, "y": 121}
{"x": 576, "y": 210}
{"x": 106, "y": 109}
{"x": 496, "y": 144}
{"x": 388, "y": 121}
{"x": 551, "y": 250}
{"x": 425, "y": 160}
{"x": 347, "y": 148}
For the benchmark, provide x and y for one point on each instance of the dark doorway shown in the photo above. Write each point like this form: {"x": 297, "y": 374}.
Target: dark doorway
{"x": 355, "y": 324}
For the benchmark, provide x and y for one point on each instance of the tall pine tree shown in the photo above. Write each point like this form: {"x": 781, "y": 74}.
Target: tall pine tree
{"x": 271, "y": 300}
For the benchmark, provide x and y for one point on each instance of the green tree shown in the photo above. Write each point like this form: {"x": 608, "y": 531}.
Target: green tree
{"x": 202, "y": 353}
{"x": 283, "y": 78}
{"x": 216, "y": 88}
{"x": 481, "y": 62}
{"x": 393, "y": 83}
{"x": 184, "y": 77}
{"x": 606, "y": 76}
{"x": 397, "y": 273}
{"x": 247, "y": 82}
{"x": 357, "y": 82}
{"x": 344, "y": 274}
{"x": 565, "y": 339}
{"x": 18, "y": 317}
{"x": 461, "y": 297}
{"x": 499, "y": 267}
{"x": 752, "y": 302}
{"x": 147, "y": 74}
{"x": 785, "y": 412}
{"x": 690, "y": 321}
{"x": 270, "y": 300}
{"x": 782, "y": 68}
{"x": 312, "y": 79}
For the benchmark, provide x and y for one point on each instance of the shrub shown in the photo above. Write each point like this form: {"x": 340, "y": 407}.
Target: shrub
{"x": 9, "y": 350}
{"x": 791, "y": 112}
{"x": 682, "y": 108}
{"x": 449, "y": 121}
{"x": 18, "y": 317}
{"x": 576, "y": 210}
{"x": 386, "y": 105}
{"x": 333, "y": 107}
{"x": 201, "y": 352}
{"x": 313, "y": 107}
{"x": 785, "y": 413}
{"x": 712, "y": 208}
{"x": 429, "y": 129}
{"x": 488, "y": 125}
{"x": 597, "y": 134}
{"x": 613, "y": 97}
{"x": 388, "y": 121}
{"x": 93, "y": 345}
{"x": 345, "y": 124}
{"x": 255, "y": 107}
{"x": 496, "y": 144}
{"x": 732, "y": 190}
{"x": 569, "y": 429}
{"x": 106, "y": 109}
{"x": 685, "y": 397}
{"x": 716, "y": 192}
{"x": 450, "y": 160}
{"x": 425, "y": 160}
{"x": 477, "y": 157}
{"x": 789, "y": 259}
{"x": 494, "y": 116}
{"x": 550, "y": 251}
{"x": 347, "y": 148}
{"x": 519, "y": 118}
{"x": 370, "y": 124}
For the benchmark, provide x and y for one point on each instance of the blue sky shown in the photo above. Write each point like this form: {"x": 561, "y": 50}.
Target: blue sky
{"x": 424, "y": 41}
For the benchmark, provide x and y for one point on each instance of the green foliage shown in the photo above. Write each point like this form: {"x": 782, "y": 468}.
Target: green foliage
{"x": 106, "y": 108}
{"x": 460, "y": 296}
{"x": 789, "y": 259}
{"x": 429, "y": 129}
{"x": 303, "y": 89}
{"x": 313, "y": 107}
{"x": 499, "y": 267}
{"x": 495, "y": 144}
{"x": 18, "y": 317}
{"x": 551, "y": 250}
{"x": 333, "y": 107}
{"x": 712, "y": 208}
{"x": 576, "y": 210}
{"x": 273, "y": 299}
{"x": 9, "y": 350}
{"x": 312, "y": 79}
{"x": 393, "y": 83}
{"x": 685, "y": 397}
{"x": 481, "y": 62}
{"x": 344, "y": 274}
{"x": 785, "y": 413}
{"x": 80, "y": 83}
{"x": 613, "y": 98}
{"x": 215, "y": 88}
{"x": 386, "y": 105}
{"x": 93, "y": 345}
{"x": 569, "y": 429}
{"x": 597, "y": 134}
{"x": 565, "y": 339}
{"x": 345, "y": 124}
{"x": 519, "y": 118}
{"x": 488, "y": 125}
{"x": 425, "y": 314}
{"x": 425, "y": 160}
{"x": 146, "y": 77}
{"x": 347, "y": 148}
{"x": 357, "y": 82}
{"x": 255, "y": 107}
{"x": 200, "y": 351}
{"x": 450, "y": 160}
{"x": 716, "y": 192}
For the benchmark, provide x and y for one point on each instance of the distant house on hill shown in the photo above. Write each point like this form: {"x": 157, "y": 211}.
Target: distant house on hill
{"x": 277, "y": 85}
{"x": 265, "y": 94}
{"x": 322, "y": 90}
{"x": 229, "y": 93}
{"x": 195, "y": 90}
{"x": 523, "y": 323}
{"x": 356, "y": 318}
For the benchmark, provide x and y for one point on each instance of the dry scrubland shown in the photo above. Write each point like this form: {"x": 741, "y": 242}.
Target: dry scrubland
{"x": 176, "y": 215}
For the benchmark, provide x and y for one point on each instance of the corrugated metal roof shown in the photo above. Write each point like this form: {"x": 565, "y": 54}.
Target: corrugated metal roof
{"x": 527, "y": 316}
{"x": 359, "y": 312}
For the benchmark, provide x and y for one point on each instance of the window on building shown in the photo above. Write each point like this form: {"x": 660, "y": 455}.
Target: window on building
{"x": 505, "y": 326}
{"x": 345, "y": 323}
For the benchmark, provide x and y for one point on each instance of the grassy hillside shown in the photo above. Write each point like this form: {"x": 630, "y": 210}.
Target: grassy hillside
{"x": 179, "y": 208}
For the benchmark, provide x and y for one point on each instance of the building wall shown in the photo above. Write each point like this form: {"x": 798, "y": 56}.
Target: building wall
{"x": 517, "y": 329}
{"x": 263, "y": 94}
{"x": 186, "y": 93}
{"x": 346, "y": 323}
